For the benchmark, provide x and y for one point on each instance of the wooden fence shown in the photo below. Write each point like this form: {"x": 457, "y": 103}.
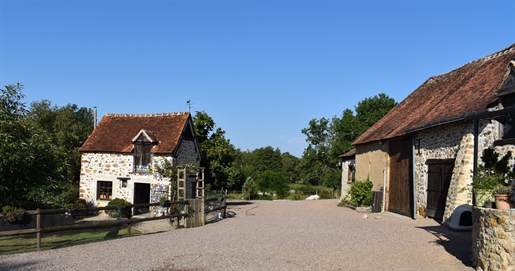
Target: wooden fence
{"x": 193, "y": 211}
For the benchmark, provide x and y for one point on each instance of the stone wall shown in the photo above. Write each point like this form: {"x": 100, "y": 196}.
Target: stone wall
{"x": 117, "y": 167}
{"x": 104, "y": 167}
{"x": 346, "y": 177}
{"x": 186, "y": 153}
{"x": 452, "y": 141}
{"x": 493, "y": 239}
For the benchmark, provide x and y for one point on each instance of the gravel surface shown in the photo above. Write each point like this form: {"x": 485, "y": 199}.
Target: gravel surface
{"x": 272, "y": 235}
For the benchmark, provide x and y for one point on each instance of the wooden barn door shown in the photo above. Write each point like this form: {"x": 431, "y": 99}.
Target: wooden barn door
{"x": 400, "y": 186}
{"x": 439, "y": 173}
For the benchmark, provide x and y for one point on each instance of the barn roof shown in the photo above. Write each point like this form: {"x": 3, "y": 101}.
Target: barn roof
{"x": 445, "y": 98}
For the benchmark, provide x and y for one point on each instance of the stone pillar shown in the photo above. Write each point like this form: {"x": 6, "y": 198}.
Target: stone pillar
{"x": 493, "y": 239}
{"x": 459, "y": 189}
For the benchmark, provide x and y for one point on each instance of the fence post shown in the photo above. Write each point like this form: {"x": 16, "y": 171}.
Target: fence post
{"x": 225, "y": 207}
{"x": 38, "y": 227}
{"x": 129, "y": 225}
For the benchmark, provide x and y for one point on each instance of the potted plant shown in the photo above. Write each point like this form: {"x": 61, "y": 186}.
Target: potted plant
{"x": 482, "y": 188}
{"x": 494, "y": 172}
{"x": 502, "y": 195}
{"x": 164, "y": 202}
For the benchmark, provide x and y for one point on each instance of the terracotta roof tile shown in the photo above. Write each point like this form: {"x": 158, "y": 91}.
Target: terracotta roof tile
{"x": 349, "y": 154}
{"x": 467, "y": 89}
{"x": 115, "y": 132}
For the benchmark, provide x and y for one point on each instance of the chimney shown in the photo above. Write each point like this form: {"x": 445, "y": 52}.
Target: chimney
{"x": 94, "y": 117}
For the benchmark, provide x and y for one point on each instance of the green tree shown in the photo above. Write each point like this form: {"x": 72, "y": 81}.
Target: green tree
{"x": 218, "y": 153}
{"x": 39, "y": 158}
{"x": 66, "y": 127}
{"x": 327, "y": 140}
{"x": 273, "y": 182}
{"x": 371, "y": 110}
{"x": 27, "y": 167}
{"x": 263, "y": 159}
{"x": 290, "y": 167}
{"x": 315, "y": 159}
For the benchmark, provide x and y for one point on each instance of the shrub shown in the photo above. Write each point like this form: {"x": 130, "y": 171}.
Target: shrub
{"x": 234, "y": 195}
{"x": 271, "y": 181}
{"x": 361, "y": 193}
{"x": 326, "y": 193}
{"x": 265, "y": 197}
{"x": 297, "y": 196}
{"x": 250, "y": 189}
{"x": 344, "y": 202}
{"x": 13, "y": 213}
{"x": 121, "y": 212}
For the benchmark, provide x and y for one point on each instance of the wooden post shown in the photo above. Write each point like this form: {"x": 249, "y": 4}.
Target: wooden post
{"x": 38, "y": 227}
{"x": 225, "y": 208}
{"x": 129, "y": 225}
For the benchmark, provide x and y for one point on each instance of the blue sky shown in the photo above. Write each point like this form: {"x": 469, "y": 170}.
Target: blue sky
{"x": 261, "y": 69}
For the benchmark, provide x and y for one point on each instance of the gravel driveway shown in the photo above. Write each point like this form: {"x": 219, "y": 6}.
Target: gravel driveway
{"x": 272, "y": 235}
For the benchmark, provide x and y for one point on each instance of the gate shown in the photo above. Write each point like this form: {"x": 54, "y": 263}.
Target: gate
{"x": 438, "y": 180}
{"x": 400, "y": 186}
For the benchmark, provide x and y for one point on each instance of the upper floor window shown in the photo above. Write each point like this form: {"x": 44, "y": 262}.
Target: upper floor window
{"x": 143, "y": 144}
{"x": 142, "y": 155}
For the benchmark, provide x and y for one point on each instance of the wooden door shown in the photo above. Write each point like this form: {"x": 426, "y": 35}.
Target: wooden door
{"x": 400, "y": 187}
{"x": 141, "y": 195}
{"x": 438, "y": 180}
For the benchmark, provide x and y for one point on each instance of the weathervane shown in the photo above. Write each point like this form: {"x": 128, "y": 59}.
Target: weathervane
{"x": 188, "y": 103}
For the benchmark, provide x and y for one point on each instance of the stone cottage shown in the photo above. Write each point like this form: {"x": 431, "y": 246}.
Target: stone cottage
{"x": 424, "y": 152}
{"x": 119, "y": 157}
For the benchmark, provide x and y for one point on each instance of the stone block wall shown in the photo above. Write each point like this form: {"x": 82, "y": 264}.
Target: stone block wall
{"x": 103, "y": 166}
{"x": 187, "y": 153}
{"x": 346, "y": 182}
{"x": 493, "y": 239}
{"x": 452, "y": 141}
{"x": 115, "y": 167}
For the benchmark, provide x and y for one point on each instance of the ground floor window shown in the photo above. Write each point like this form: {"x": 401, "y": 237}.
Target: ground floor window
{"x": 104, "y": 190}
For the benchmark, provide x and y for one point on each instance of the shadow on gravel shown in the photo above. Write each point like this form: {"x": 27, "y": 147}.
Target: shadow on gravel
{"x": 17, "y": 266}
{"x": 214, "y": 219}
{"x": 237, "y": 203}
{"x": 456, "y": 243}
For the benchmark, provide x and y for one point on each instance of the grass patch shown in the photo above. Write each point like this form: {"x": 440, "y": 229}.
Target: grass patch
{"x": 233, "y": 195}
{"x": 28, "y": 242}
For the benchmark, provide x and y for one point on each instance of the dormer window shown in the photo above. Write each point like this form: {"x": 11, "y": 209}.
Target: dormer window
{"x": 143, "y": 144}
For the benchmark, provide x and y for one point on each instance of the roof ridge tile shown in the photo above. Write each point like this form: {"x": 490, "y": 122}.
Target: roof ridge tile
{"x": 146, "y": 115}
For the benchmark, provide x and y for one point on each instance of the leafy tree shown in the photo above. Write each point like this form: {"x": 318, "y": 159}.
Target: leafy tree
{"x": 261, "y": 160}
{"x": 342, "y": 132}
{"x": 371, "y": 110}
{"x": 218, "y": 153}
{"x": 290, "y": 168}
{"x": 66, "y": 127}
{"x": 26, "y": 165}
{"x": 39, "y": 159}
{"x": 273, "y": 182}
{"x": 327, "y": 140}
{"x": 315, "y": 159}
